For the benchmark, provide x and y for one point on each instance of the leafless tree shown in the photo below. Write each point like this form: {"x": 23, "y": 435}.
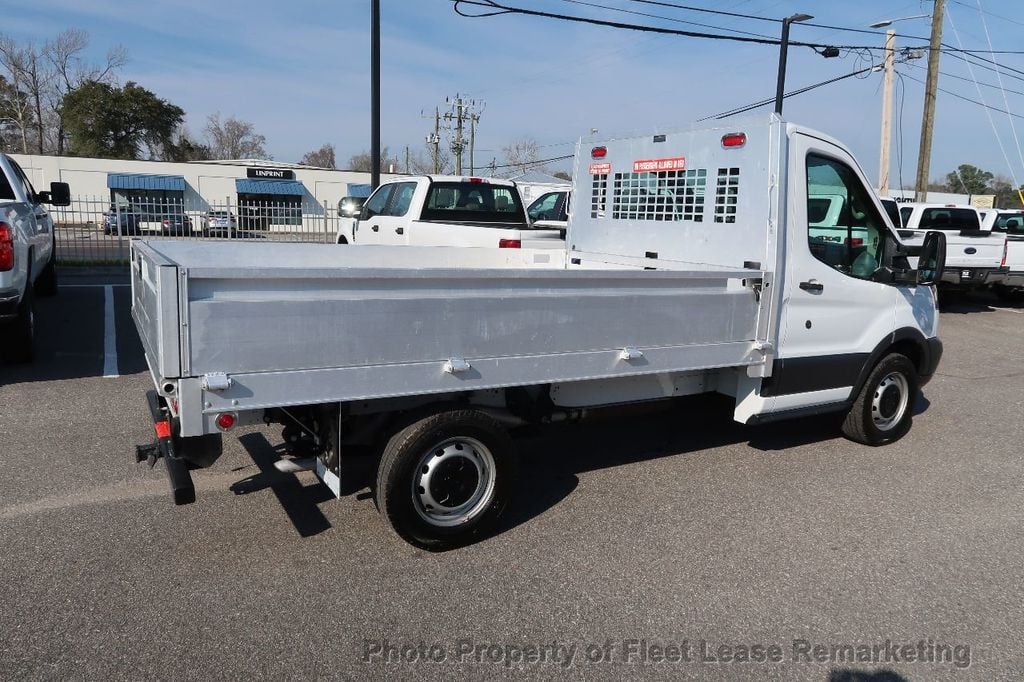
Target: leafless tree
{"x": 364, "y": 162}
{"x": 16, "y": 109}
{"x": 321, "y": 158}
{"x": 233, "y": 138}
{"x": 522, "y": 154}
{"x": 27, "y": 74}
{"x": 422, "y": 163}
{"x": 64, "y": 55}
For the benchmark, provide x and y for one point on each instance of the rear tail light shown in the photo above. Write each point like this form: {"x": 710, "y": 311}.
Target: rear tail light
{"x": 1006, "y": 245}
{"x": 598, "y": 152}
{"x": 226, "y": 421}
{"x": 510, "y": 243}
{"x": 6, "y": 247}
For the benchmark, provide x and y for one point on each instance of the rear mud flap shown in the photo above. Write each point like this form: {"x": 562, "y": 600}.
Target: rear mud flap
{"x": 183, "y": 490}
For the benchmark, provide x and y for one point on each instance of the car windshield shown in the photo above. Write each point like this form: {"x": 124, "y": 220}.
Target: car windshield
{"x": 218, "y": 214}
{"x": 946, "y": 218}
{"x": 477, "y": 202}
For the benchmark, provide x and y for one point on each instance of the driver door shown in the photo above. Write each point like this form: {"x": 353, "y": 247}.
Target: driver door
{"x": 833, "y": 314}
{"x": 368, "y": 229}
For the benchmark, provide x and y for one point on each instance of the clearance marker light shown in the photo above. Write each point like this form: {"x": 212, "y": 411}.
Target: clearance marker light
{"x": 734, "y": 140}
{"x": 598, "y": 152}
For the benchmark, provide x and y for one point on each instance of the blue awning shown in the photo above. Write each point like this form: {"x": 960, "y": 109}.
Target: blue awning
{"x": 292, "y": 188}
{"x": 359, "y": 191}
{"x": 173, "y": 183}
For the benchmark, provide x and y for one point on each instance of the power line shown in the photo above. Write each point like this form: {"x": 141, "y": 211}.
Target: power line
{"x": 968, "y": 99}
{"x": 954, "y": 76}
{"x": 535, "y": 162}
{"x": 754, "y": 105}
{"x": 659, "y": 16}
{"x": 991, "y": 14}
{"x": 497, "y": 9}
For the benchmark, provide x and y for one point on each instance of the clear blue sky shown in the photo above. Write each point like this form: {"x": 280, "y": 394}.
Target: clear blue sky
{"x": 299, "y": 70}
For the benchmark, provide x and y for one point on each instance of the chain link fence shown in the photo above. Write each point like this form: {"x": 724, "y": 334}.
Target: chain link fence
{"x": 96, "y": 231}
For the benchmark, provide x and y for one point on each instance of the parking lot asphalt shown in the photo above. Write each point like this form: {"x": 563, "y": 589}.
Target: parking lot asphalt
{"x": 678, "y": 529}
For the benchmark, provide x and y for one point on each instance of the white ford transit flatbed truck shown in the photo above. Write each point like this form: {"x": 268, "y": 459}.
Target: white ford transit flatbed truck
{"x": 690, "y": 267}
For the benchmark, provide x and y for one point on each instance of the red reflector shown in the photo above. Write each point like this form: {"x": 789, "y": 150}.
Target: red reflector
{"x": 6, "y": 247}
{"x": 510, "y": 244}
{"x": 598, "y": 152}
{"x": 476, "y": 179}
{"x": 225, "y": 421}
{"x": 734, "y": 140}
{"x": 855, "y": 241}
{"x": 163, "y": 429}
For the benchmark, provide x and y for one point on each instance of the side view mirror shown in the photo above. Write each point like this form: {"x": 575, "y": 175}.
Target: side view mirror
{"x": 59, "y": 194}
{"x": 932, "y": 260}
{"x": 364, "y": 214}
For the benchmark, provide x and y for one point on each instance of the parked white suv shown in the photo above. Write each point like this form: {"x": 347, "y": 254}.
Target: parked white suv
{"x": 27, "y": 256}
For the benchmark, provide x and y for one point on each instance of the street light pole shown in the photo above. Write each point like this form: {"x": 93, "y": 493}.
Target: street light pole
{"x": 780, "y": 83}
{"x": 883, "y": 157}
{"x": 374, "y": 93}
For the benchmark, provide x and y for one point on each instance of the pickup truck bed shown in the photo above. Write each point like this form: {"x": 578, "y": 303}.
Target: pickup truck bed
{"x": 293, "y": 324}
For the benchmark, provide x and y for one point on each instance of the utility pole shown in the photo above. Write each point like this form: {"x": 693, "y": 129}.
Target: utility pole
{"x": 924, "y": 155}
{"x": 374, "y": 93}
{"x": 473, "y": 118}
{"x": 434, "y": 140}
{"x": 407, "y": 171}
{"x": 462, "y": 111}
{"x": 883, "y": 157}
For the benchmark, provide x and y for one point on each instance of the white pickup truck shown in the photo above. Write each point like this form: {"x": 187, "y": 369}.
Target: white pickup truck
{"x": 27, "y": 256}
{"x": 1011, "y": 224}
{"x": 690, "y": 267}
{"x": 975, "y": 257}
{"x": 437, "y": 210}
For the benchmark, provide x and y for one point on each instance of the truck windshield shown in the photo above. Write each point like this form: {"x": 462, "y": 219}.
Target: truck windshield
{"x": 476, "y": 202}
{"x": 949, "y": 219}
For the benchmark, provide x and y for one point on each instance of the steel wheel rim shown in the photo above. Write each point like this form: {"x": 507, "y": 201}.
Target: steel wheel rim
{"x": 890, "y": 402}
{"x": 453, "y": 482}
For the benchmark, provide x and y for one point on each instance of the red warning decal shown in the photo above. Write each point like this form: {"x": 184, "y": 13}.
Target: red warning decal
{"x": 650, "y": 165}
{"x": 600, "y": 168}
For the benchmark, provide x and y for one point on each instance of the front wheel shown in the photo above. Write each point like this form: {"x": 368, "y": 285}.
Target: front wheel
{"x": 884, "y": 408}
{"x": 445, "y": 479}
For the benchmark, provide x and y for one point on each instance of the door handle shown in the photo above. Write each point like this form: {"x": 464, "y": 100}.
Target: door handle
{"x": 375, "y": 228}
{"x": 399, "y": 230}
{"x": 812, "y": 285}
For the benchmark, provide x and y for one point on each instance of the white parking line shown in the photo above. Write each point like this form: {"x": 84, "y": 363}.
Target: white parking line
{"x": 91, "y": 286}
{"x": 109, "y": 334}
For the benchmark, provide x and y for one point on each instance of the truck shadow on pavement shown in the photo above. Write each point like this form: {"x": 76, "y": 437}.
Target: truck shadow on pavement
{"x": 556, "y": 455}
{"x": 865, "y": 676}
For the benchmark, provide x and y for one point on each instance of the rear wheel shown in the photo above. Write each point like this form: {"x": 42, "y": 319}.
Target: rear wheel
{"x": 18, "y": 337}
{"x": 445, "y": 479}
{"x": 884, "y": 408}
